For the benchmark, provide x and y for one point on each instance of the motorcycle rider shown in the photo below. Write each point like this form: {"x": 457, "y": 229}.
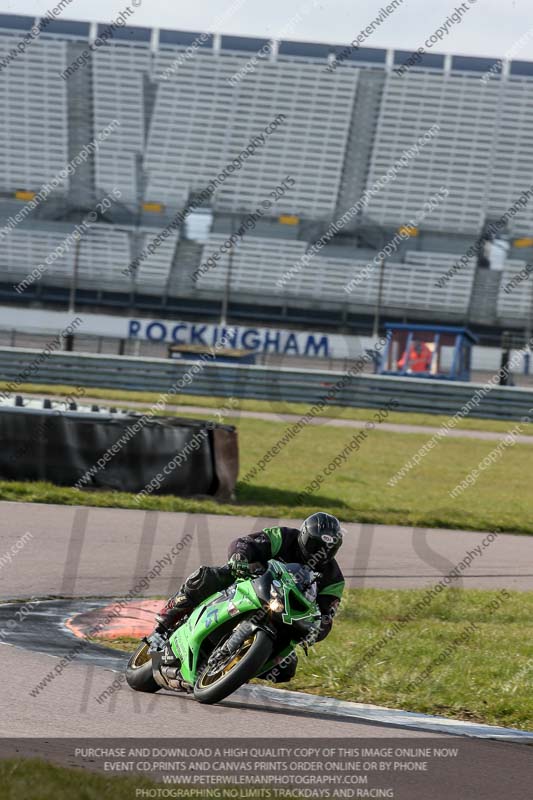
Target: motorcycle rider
{"x": 315, "y": 544}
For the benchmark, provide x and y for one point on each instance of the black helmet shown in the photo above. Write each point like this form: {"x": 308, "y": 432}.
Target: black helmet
{"x": 320, "y": 538}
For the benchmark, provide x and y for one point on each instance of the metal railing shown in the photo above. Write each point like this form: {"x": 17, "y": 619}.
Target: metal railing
{"x": 19, "y": 366}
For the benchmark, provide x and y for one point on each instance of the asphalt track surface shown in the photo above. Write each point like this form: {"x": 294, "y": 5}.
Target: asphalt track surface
{"x": 95, "y": 667}
{"x": 104, "y": 552}
{"x": 68, "y": 704}
{"x": 82, "y": 552}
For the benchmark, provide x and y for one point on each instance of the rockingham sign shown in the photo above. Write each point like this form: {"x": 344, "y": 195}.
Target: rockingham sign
{"x": 272, "y": 341}
{"x": 259, "y": 340}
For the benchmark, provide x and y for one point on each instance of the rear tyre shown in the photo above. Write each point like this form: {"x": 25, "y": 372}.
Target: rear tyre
{"x": 212, "y": 687}
{"x": 139, "y": 671}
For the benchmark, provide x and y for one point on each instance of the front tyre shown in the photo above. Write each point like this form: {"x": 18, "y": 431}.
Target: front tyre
{"x": 213, "y": 685}
{"x": 139, "y": 671}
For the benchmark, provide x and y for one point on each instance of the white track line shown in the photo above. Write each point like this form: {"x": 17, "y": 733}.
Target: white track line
{"x": 385, "y": 716}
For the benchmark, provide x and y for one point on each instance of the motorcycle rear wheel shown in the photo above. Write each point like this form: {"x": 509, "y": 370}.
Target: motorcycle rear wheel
{"x": 139, "y": 671}
{"x": 212, "y": 686}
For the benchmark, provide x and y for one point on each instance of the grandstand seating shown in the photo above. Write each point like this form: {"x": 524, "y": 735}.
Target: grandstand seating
{"x": 458, "y": 157}
{"x": 511, "y": 161}
{"x": 405, "y": 285}
{"x": 153, "y": 273}
{"x": 103, "y": 253}
{"x": 183, "y": 119}
{"x": 201, "y": 123}
{"x": 22, "y": 251}
{"x": 119, "y": 94}
{"x": 430, "y": 258}
{"x": 258, "y": 263}
{"x": 33, "y": 120}
{"x": 516, "y": 304}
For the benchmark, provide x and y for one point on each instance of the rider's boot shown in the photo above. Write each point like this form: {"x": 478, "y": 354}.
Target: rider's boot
{"x": 173, "y": 612}
{"x": 168, "y": 619}
{"x": 201, "y": 584}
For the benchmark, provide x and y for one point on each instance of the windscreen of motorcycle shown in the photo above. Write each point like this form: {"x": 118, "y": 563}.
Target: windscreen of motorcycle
{"x": 304, "y": 579}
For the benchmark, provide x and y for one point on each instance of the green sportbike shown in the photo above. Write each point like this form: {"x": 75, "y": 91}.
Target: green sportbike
{"x": 233, "y": 636}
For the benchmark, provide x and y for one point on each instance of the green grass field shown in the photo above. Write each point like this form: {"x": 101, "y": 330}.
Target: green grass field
{"x": 479, "y": 661}
{"x": 35, "y": 779}
{"x": 357, "y": 490}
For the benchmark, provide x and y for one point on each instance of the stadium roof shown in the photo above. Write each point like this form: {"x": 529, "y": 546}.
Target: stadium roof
{"x": 377, "y": 57}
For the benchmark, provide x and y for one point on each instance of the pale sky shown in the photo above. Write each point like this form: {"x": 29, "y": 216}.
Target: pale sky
{"x": 490, "y": 28}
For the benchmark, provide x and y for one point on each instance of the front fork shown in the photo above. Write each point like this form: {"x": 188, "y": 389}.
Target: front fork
{"x": 242, "y": 632}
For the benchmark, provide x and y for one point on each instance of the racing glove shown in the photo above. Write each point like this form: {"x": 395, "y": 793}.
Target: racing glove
{"x": 239, "y": 565}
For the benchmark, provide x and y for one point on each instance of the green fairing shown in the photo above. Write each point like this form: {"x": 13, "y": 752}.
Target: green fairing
{"x": 187, "y": 640}
{"x": 336, "y": 589}
{"x": 274, "y": 534}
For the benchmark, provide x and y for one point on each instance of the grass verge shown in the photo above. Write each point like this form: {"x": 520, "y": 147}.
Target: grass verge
{"x": 374, "y": 655}
{"x": 358, "y": 490}
{"x": 271, "y": 406}
{"x": 35, "y": 779}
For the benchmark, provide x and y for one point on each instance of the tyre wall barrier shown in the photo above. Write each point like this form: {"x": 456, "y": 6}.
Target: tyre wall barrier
{"x": 123, "y": 451}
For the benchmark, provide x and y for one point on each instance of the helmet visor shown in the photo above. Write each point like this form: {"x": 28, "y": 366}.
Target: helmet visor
{"x": 320, "y": 549}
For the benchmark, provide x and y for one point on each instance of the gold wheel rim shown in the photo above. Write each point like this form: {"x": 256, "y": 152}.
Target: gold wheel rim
{"x": 208, "y": 680}
{"x": 141, "y": 657}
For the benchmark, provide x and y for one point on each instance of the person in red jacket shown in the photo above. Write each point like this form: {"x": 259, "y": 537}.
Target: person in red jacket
{"x": 315, "y": 543}
{"x": 418, "y": 359}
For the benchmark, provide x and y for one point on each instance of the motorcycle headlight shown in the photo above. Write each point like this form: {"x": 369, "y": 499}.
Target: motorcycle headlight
{"x": 275, "y": 604}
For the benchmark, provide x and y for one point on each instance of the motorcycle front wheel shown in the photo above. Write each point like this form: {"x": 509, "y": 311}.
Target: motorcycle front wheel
{"x": 214, "y": 684}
